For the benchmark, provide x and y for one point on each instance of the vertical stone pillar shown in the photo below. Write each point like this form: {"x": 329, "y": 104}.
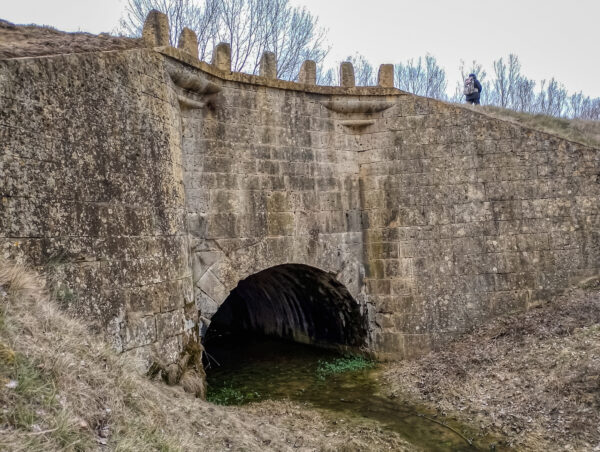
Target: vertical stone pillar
{"x": 268, "y": 65}
{"x": 385, "y": 78}
{"x": 308, "y": 73}
{"x": 347, "y": 75}
{"x": 221, "y": 57}
{"x": 188, "y": 42}
{"x": 156, "y": 30}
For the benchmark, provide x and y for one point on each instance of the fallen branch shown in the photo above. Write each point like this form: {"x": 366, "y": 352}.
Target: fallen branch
{"x": 443, "y": 424}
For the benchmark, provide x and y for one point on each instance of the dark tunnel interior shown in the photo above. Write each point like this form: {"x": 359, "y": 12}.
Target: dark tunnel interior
{"x": 293, "y": 302}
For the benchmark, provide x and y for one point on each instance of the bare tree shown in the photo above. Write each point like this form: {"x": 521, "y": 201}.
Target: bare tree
{"x": 506, "y": 82}
{"x": 524, "y": 95}
{"x": 182, "y": 13}
{"x": 327, "y": 76}
{"x": 514, "y": 75}
{"x": 364, "y": 73}
{"x": 250, "y": 26}
{"x": 552, "y": 98}
{"x": 501, "y": 83}
{"x": 436, "y": 83}
{"x": 576, "y": 104}
{"x": 422, "y": 78}
{"x": 410, "y": 76}
{"x": 590, "y": 109}
{"x": 294, "y": 36}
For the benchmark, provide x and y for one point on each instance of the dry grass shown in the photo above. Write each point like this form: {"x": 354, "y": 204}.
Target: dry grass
{"x": 534, "y": 377}
{"x": 74, "y": 393}
{"x": 34, "y": 40}
{"x": 584, "y": 132}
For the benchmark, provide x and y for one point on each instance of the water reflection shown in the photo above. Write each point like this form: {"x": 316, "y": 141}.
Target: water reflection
{"x": 254, "y": 369}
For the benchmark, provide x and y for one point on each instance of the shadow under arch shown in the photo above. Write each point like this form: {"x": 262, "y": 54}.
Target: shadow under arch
{"x": 294, "y": 302}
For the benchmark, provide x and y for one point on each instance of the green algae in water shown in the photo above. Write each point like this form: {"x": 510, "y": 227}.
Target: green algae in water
{"x": 255, "y": 369}
{"x": 226, "y": 395}
{"x": 343, "y": 364}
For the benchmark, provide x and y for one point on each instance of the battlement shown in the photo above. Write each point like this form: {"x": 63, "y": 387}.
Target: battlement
{"x": 156, "y": 35}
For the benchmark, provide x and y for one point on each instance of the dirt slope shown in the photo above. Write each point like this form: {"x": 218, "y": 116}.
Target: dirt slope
{"x": 33, "y": 40}
{"x": 532, "y": 377}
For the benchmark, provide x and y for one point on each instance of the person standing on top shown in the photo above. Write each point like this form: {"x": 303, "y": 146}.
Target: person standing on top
{"x": 472, "y": 89}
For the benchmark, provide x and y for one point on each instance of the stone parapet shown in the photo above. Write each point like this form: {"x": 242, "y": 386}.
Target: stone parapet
{"x": 242, "y": 77}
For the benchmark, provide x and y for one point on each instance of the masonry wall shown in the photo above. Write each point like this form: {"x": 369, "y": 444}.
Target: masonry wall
{"x": 269, "y": 181}
{"x": 148, "y": 186}
{"x": 435, "y": 216}
{"x": 91, "y": 192}
{"x": 468, "y": 217}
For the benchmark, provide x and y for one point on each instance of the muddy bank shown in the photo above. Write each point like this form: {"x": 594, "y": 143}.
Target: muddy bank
{"x": 307, "y": 429}
{"x": 533, "y": 378}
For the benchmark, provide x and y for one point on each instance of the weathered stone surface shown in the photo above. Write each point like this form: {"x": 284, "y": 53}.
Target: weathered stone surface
{"x": 147, "y": 214}
{"x": 308, "y": 73}
{"x": 156, "y": 29}
{"x": 385, "y": 77}
{"x": 268, "y": 65}
{"x": 347, "y": 75}
{"x": 188, "y": 42}
{"x": 97, "y": 200}
{"x": 221, "y": 58}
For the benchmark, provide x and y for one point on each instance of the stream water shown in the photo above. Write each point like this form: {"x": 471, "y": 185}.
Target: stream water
{"x": 242, "y": 370}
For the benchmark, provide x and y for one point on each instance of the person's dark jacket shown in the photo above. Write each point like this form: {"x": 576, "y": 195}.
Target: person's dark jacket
{"x": 475, "y": 96}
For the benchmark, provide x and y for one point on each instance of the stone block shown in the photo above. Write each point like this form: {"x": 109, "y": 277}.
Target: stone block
{"x": 168, "y": 349}
{"x": 178, "y": 293}
{"x": 156, "y": 29}
{"x": 280, "y": 223}
{"x": 347, "y": 75}
{"x": 170, "y": 324}
{"x": 139, "y": 332}
{"x": 141, "y": 357}
{"x": 213, "y": 287}
{"x": 308, "y": 73}
{"x": 279, "y": 201}
{"x": 206, "y": 306}
{"x": 188, "y": 42}
{"x": 222, "y": 225}
{"x": 221, "y": 57}
{"x": 268, "y": 65}
{"x": 385, "y": 77}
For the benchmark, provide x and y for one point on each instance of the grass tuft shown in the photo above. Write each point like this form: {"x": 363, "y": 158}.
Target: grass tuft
{"x": 579, "y": 130}
{"x": 36, "y": 414}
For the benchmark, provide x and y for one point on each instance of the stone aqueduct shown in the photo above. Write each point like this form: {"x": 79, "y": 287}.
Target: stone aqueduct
{"x": 152, "y": 187}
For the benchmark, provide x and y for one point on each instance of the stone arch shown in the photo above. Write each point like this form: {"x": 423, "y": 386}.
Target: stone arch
{"x": 295, "y": 302}
{"x": 219, "y": 268}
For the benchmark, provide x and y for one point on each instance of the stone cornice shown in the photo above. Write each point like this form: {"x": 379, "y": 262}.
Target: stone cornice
{"x": 186, "y": 58}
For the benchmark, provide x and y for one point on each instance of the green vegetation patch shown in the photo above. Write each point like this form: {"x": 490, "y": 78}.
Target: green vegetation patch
{"x": 227, "y": 395}
{"x": 343, "y": 364}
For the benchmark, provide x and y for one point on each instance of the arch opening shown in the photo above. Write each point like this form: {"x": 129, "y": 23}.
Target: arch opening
{"x": 293, "y": 302}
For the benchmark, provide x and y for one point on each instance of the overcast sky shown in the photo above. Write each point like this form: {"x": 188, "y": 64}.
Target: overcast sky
{"x": 553, "y": 38}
